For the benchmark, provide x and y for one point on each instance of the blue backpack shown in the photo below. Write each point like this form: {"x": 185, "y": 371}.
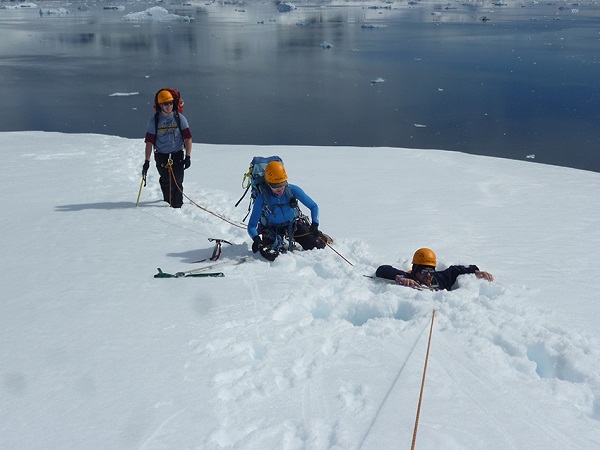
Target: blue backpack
{"x": 254, "y": 181}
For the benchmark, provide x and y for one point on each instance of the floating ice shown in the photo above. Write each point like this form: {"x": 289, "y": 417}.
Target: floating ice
{"x": 123, "y": 94}
{"x": 326, "y": 45}
{"x": 53, "y": 11}
{"x": 26, "y": 5}
{"x": 378, "y": 80}
{"x": 154, "y": 14}
{"x": 285, "y": 7}
{"x": 20, "y": 5}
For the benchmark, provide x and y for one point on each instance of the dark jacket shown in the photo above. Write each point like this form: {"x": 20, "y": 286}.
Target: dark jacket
{"x": 443, "y": 279}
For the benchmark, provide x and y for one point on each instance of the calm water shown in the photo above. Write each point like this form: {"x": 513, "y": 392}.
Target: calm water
{"x": 524, "y": 83}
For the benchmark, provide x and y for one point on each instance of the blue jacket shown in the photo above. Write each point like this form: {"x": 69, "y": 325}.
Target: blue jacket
{"x": 280, "y": 215}
{"x": 443, "y": 279}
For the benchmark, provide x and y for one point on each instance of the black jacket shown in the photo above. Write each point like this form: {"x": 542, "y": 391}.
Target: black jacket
{"x": 443, "y": 279}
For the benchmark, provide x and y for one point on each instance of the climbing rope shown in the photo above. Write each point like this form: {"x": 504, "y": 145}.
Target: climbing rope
{"x": 414, "y": 439}
{"x": 339, "y": 254}
{"x": 220, "y": 216}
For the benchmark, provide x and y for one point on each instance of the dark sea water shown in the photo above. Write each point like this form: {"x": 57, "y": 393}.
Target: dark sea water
{"x": 523, "y": 85}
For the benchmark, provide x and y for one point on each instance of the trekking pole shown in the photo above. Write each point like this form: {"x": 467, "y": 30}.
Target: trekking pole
{"x": 143, "y": 183}
{"x": 414, "y": 439}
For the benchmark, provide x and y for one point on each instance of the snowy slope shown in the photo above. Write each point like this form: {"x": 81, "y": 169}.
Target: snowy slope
{"x": 304, "y": 352}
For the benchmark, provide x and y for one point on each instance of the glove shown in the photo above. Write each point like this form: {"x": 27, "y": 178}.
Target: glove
{"x": 256, "y": 244}
{"x": 187, "y": 162}
{"x": 145, "y": 168}
{"x": 314, "y": 229}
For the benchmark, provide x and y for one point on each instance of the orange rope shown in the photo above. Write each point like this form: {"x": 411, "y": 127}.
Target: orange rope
{"x": 232, "y": 222}
{"x": 339, "y": 254}
{"x": 414, "y": 439}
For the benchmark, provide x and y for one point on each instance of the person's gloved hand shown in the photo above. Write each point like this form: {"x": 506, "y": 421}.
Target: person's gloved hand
{"x": 256, "y": 244}
{"x": 145, "y": 168}
{"x": 314, "y": 229}
{"x": 187, "y": 162}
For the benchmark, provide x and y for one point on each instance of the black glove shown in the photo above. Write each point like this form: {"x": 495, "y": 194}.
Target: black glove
{"x": 187, "y": 162}
{"x": 314, "y": 229}
{"x": 145, "y": 168}
{"x": 256, "y": 244}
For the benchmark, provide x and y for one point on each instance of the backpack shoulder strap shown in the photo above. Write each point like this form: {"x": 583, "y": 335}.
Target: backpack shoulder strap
{"x": 178, "y": 120}
{"x": 155, "y": 127}
{"x": 292, "y": 201}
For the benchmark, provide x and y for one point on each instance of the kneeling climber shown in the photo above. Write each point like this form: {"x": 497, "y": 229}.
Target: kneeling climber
{"x": 277, "y": 217}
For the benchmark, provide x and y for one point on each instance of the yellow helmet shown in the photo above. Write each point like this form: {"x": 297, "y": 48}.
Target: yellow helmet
{"x": 424, "y": 257}
{"x": 165, "y": 96}
{"x": 275, "y": 173}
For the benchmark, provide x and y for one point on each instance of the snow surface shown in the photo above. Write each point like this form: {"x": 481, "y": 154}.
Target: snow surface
{"x": 304, "y": 352}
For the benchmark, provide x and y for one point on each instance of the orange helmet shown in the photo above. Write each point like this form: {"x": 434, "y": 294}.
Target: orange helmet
{"x": 165, "y": 96}
{"x": 424, "y": 257}
{"x": 275, "y": 173}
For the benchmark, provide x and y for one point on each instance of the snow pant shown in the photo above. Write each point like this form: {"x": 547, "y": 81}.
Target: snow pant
{"x": 301, "y": 234}
{"x": 172, "y": 189}
{"x": 305, "y": 238}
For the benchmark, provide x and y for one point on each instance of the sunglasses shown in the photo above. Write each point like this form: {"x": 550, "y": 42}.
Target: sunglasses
{"x": 167, "y": 103}
{"x": 427, "y": 270}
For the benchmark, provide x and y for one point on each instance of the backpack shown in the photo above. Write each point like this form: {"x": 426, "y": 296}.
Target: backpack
{"x": 177, "y": 100}
{"x": 254, "y": 181}
{"x": 177, "y": 107}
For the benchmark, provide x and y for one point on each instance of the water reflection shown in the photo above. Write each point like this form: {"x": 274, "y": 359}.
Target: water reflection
{"x": 77, "y": 39}
{"x": 508, "y": 87}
